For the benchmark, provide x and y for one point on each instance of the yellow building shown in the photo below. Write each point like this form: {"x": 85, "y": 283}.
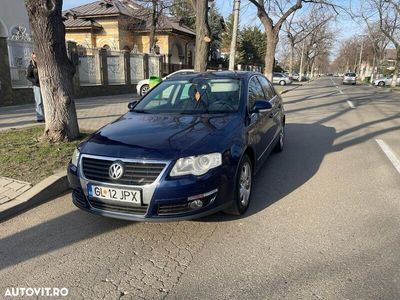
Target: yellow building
{"x": 125, "y": 25}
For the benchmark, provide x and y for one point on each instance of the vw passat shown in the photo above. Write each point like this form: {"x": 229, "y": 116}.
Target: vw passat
{"x": 188, "y": 148}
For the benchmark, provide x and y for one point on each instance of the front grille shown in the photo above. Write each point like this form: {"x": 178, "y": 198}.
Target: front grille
{"x": 135, "y": 173}
{"x": 168, "y": 209}
{"x": 138, "y": 210}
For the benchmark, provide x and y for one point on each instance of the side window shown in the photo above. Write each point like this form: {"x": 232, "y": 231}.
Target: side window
{"x": 267, "y": 87}
{"x": 163, "y": 98}
{"x": 255, "y": 92}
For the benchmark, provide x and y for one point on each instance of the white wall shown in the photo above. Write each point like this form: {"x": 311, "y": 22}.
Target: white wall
{"x": 12, "y": 13}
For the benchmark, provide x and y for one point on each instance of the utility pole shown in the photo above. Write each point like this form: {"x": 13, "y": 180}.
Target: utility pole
{"x": 236, "y": 10}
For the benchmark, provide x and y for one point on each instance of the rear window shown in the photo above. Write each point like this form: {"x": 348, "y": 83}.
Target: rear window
{"x": 350, "y": 74}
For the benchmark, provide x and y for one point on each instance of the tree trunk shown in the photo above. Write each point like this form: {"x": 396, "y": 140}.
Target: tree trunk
{"x": 202, "y": 35}
{"x": 373, "y": 67}
{"x": 154, "y": 21}
{"x": 272, "y": 41}
{"x": 291, "y": 59}
{"x": 301, "y": 71}
{"x": 55, "y": 69}
{"x": 396, "y": 67}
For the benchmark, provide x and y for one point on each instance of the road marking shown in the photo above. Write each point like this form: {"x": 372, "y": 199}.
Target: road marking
{"x": 351, "y": 104}
{"x": 390, "y": 154}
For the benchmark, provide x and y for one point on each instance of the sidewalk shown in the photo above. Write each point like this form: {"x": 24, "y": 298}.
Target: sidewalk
{"x": 93, "y": 112}
{"x": 11, "y": 189}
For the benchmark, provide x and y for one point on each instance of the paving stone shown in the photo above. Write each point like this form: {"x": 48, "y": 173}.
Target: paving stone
{"x": 3, "y": 189}
{"x": 5, "y": 181}
{"x": 15, "y": 185}
{"x": 11, "y": 194}
{"x": 4, "y": 199}
{"x": 24, "y": 188}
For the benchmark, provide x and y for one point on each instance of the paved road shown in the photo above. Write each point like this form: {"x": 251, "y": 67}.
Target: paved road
{"x": 324, "y": 222}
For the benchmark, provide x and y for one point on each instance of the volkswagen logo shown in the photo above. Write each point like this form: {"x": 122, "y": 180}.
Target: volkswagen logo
{"x": 116, "y": 171}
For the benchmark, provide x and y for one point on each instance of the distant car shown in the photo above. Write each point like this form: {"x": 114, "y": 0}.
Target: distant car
{"x": 281, "y": 79}
{"x": 295, "y": 76}
{"x": 386, "y": 81}
{"x": 350, "y": 78}
{"x": 143, "y": 85}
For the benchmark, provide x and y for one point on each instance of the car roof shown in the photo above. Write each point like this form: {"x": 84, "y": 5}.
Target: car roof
{"x": 216, "y": 74}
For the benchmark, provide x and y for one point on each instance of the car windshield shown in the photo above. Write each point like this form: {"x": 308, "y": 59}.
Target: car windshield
{"x": 350, "y": 75}
{"x": 197, "y": 95}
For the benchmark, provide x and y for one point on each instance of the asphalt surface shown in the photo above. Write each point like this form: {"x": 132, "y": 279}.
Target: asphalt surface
{"x": 324, "y": 222}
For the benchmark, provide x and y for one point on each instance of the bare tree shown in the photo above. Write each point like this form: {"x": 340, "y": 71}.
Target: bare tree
{"x": 202, "y": 34}
{"x": 389, "y": 23}
{"x": 376, "y": 39}
{"x": 55, "y": 69}
{"x": 299, "y": 29}
{"x": 267, "y": 11}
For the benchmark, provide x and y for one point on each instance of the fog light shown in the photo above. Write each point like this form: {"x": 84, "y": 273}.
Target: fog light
{"x": 196, "y": 204}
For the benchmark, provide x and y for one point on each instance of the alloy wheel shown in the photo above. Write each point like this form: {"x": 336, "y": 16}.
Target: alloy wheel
{"x": 144, "y": 89}
{"x": 245, "y": 184}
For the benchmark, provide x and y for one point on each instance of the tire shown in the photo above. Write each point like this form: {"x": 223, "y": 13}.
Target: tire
{"x": 144, "y": 89}
{"x": 381, "y": 83}
{"x": 242, "y": 194}
{"x": 282, "y": 82}
{"x": 281, "y": 143}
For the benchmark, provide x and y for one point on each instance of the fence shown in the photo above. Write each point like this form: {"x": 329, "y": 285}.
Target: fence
{"x": 116, "y": 67}
{"x": 136, "y": 62}
{"x": 89, "y": 66}
{"x": 19, "y": 54}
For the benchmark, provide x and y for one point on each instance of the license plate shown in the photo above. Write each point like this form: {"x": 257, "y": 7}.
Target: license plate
{"x": 115, "y": 194}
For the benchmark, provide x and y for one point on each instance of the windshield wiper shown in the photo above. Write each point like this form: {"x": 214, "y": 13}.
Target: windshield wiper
{"x": 141, "y": 111}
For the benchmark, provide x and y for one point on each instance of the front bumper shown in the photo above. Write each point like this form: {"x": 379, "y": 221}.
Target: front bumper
{"x": 349, "y": 81}
{"x": 168, "y": 199}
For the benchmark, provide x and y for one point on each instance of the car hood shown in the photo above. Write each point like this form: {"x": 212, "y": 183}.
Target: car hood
{"x": 162, "y": 137}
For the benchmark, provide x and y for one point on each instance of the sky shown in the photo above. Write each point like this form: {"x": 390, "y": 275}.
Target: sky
{"x": 248, "y": 16}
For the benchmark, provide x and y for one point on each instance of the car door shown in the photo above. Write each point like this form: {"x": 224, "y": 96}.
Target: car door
{"x": 260, "y": 123}
{"x": 276, "y": 113}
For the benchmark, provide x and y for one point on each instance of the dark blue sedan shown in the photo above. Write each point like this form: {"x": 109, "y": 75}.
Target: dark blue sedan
{"x": 188, "y": 148}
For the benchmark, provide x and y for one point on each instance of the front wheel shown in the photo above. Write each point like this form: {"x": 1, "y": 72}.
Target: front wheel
{"x": 282, "y": 82}
{"x": 144, "y": 89}
{"x": 381, "y": 83}
{"x": 244, "y": 184}
{"x": 281, "y": 143}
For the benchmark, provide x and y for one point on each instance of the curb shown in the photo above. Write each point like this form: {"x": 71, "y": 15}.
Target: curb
{"x": 45, "y": 190}
{"x": 291, "y": 89}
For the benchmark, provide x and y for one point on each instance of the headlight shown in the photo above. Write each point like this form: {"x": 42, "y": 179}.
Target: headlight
{"x": 75, "y": 157}
{"x": 196, "y": 165}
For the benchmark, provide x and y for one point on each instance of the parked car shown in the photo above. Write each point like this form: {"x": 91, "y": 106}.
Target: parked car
{"x": 143, "y": 85}
{"x": 349, "y": 78}
{"x": 386, "y": 81}
{"x": 188, "y": 148}
{"x": 281, "y": 78}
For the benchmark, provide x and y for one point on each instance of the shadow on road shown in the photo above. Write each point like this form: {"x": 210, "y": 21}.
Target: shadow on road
{"x": 306, "y": 146}
{"x": 52, "y": 235}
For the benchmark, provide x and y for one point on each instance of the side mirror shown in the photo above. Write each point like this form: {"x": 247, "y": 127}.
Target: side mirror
{"x": 262, "y": 106}
{"x": 132, "y": 104}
